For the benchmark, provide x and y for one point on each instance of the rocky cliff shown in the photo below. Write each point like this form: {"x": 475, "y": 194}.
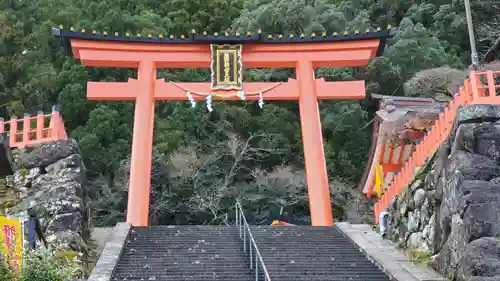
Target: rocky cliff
{"x": 452, "y": 209}
{"x": 50, "y": 182}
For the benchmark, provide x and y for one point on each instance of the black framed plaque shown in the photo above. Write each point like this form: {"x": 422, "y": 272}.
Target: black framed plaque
{"x": 227, "y": 67}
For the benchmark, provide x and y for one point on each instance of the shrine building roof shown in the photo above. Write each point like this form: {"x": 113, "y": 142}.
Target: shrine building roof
{"x": 225, "y": 38}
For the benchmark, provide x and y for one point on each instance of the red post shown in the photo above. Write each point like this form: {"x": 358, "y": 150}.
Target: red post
{"x": 492, "y": 91}
{"x": 13, "y": 131}
{"x": 54, "y": 125}
{"x": 475, "y": 83}
{"x": 26, "y": 129}
{"x": 39, "y": 125}
{"x": 142, "y": 147}
{"x": 314, "y": 155}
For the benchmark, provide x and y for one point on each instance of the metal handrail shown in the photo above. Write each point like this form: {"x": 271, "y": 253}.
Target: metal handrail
{"x": 244, "y": 230}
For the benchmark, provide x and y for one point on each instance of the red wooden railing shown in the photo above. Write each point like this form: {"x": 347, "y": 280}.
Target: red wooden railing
{"x": 480, "y": 88}
{"x": 33, "y": 130}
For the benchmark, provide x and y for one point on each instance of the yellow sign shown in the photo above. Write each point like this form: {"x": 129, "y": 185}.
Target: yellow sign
{"x": 11, "y": 239}
{"x": 379, "y": 180}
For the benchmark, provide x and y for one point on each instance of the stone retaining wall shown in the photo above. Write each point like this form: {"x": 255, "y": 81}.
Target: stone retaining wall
{"x": 452, "y": 209}
{"x": 50, "y": 180}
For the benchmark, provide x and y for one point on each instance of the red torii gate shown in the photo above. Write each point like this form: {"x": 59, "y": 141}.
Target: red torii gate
{"x": 147, "y": 54}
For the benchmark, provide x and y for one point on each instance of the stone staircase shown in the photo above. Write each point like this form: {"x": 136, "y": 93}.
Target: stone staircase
{"x": 184, "y": 253}
{"x": 199, "y": 253}
{"x": 293, "y": 253}
{"x": 239, "y": 253}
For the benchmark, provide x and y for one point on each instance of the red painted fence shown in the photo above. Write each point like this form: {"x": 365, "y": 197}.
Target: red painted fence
{"x": 32, "y": 130}
{"x": 480, "y": 88}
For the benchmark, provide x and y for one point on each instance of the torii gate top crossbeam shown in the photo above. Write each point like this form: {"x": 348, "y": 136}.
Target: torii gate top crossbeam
{"x": 100, "y": 50}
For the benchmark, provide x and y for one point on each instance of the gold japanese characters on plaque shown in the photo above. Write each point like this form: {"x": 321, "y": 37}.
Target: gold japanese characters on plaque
{"x": 227, "y": 68}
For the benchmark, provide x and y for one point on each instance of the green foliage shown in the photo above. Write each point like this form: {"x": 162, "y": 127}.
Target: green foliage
{"x": 42, "y": 265}
{"x": 105, "y": 138}
{"x": 6, "y": 273}
{"x": 414, "y": 49}
{"x": 34, "y": 75}
{"x": 421, "y": 256}
{"x": 433, "y": 82}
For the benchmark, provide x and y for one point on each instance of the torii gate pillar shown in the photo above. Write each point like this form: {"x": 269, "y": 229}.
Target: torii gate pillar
{"x": 142, "y": 146}
{"x": 149, "y": 54}
{"x": 314, "y": 154}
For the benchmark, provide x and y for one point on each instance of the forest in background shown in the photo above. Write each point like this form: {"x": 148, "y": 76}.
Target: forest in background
{"x": 203, "y": 161}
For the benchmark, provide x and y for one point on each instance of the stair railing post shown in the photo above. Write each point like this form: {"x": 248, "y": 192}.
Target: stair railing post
{"x": 256, "y": 268}
{"x": 244, "y": 241}
{"x": 241, "y": 221}
{"x": 237, "y": 214}
{"x": 250, "y": 248}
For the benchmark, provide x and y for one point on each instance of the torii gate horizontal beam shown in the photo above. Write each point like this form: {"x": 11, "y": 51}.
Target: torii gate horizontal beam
{"x": 169, "y": 91}
{"x": 330, "y": 54}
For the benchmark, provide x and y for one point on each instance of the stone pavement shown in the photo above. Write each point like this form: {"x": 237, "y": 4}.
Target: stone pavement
{"x": 393, "y": 261}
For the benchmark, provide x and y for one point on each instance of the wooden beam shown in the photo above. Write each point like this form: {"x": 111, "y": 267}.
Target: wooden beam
{"x": 345, "y": 90}
{"x": 286, "y": 55}
{"x": 170, "y": 91}
{"x": 113, "y": 90}
{"x": 83, "y": 44}
{"x": 112, "y": 58}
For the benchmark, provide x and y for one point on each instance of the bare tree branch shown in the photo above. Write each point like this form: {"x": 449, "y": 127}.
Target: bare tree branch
{"x": 210, "y": 175}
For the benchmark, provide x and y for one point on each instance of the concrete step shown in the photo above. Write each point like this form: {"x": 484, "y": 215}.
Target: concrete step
{"x": 314, "y": 253}
{"x": 196, "y": 253}
{"x": 184, "y": 253}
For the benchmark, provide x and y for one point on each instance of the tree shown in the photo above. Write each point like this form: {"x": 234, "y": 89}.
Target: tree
{"x": 211, "y": 179}
{"x": 441, "y": 83}
{"x": 104, "y": 140}
{"x": 414, "y": 50}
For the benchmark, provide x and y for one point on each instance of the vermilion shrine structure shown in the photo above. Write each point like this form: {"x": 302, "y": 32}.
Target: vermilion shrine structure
{"x": 226, "y": 56}
{"x": 34, "y": 130}
{"x": 392, "y": 157}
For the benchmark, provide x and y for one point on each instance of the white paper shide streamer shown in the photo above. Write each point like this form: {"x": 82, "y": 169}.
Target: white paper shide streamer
{"x": 208, "y": 99}
{"x": 209, "y": 103}
{"x": 191, "y": 99}
{"x": 241, "y": 95}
